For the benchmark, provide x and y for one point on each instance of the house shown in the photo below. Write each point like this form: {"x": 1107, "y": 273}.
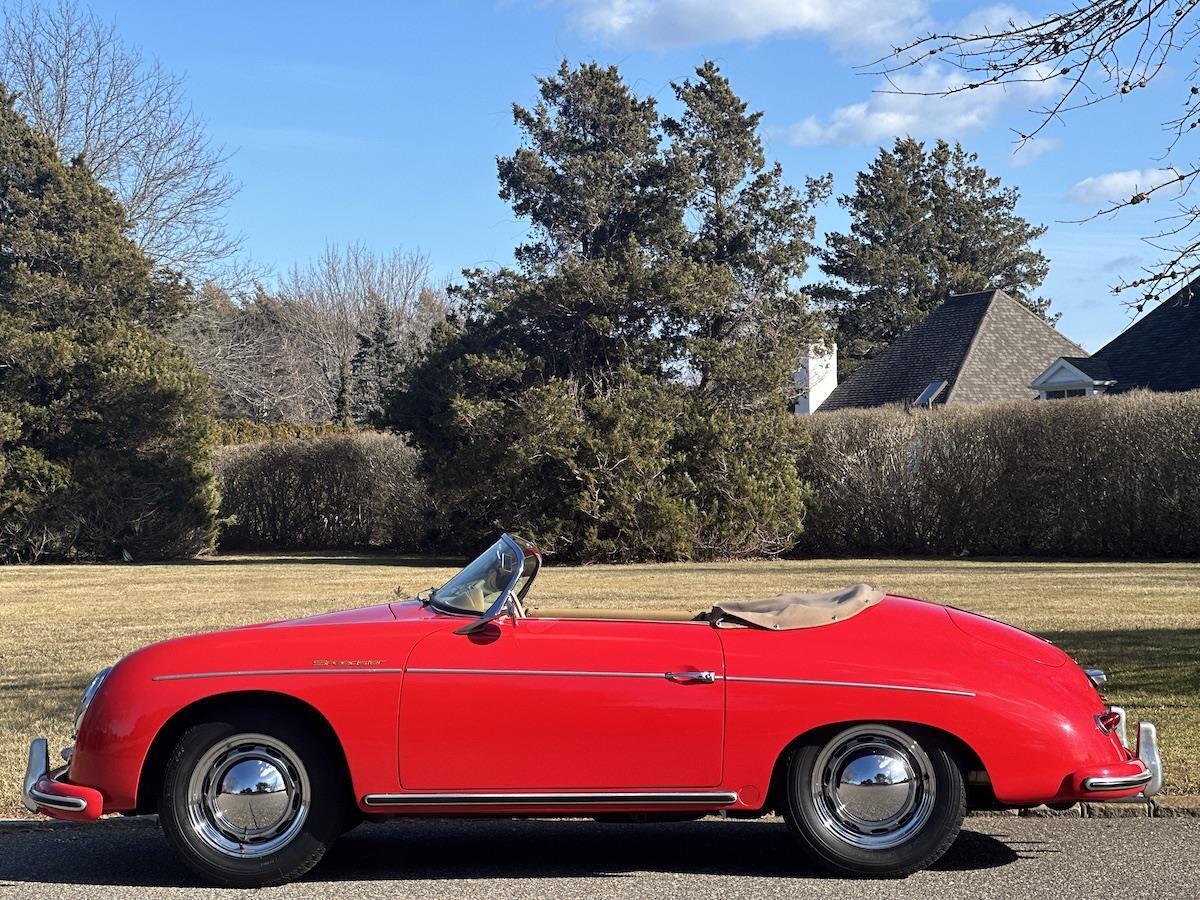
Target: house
{"x": 1157, "y": 353}
{"x": 974, "y": 348}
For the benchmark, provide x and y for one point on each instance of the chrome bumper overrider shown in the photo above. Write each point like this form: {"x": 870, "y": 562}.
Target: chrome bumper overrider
{"x": 38, "y": 770}
{"x": 1146, "y": 750}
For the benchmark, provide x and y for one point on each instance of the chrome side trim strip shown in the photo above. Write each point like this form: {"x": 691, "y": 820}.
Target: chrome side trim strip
{"x": 348, "y": 670}
{"x": 641, "y": 798}
{"x": 542, "y": 672}
{"x": 1117, "y": 784}
{"x": 323, "y": 670}
{"x": 849, "y": 684}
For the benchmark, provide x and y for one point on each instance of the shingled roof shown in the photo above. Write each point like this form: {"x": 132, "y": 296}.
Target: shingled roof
{"x": 1094, "y": 367}
{"x": 1159, "y": 352}
{"x": 986, "y": 346}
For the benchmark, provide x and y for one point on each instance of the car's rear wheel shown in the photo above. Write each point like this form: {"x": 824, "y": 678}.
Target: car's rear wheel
{"x": 251, "y": 799}
{"x": 875, "y": 800}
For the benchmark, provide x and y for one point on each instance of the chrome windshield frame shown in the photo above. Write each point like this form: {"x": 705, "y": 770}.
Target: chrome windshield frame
{"x": 507, "y": 540}
{"x": 497, "y": 605}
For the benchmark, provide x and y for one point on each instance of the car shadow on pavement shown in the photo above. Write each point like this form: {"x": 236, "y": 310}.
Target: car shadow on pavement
{"x": 134, "y": 853}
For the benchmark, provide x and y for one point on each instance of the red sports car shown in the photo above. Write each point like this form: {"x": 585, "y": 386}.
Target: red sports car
{"x": 870, "y": 722}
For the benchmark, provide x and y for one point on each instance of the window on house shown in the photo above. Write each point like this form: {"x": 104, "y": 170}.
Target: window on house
{"x": 1062, "y": 395}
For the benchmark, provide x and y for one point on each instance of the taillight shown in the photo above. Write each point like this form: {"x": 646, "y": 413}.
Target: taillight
{"x": 1109, "y": 721}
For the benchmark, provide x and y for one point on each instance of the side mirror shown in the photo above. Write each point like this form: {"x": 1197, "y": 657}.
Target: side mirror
{"x": 507, "y": 608}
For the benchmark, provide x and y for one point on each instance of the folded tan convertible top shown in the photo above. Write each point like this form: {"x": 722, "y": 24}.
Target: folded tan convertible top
{"x": 787, "y": 611}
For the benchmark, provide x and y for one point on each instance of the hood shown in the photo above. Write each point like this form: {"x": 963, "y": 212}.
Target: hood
{"x": 365, "y": 615}
{"x": 1006, "y": 637}
{"x": 289, "y": 644}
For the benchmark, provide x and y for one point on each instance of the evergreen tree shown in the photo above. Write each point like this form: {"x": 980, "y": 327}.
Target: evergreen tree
{"x": 753, "y": 228}
{"x": 923, "y": 225}
{"x": 103, "y": 431}
{"x": 590, "y": 395}
{"x": 375, "y": 367}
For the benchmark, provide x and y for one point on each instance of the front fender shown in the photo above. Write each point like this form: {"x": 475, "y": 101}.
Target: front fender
{"x": 143, "y": 694}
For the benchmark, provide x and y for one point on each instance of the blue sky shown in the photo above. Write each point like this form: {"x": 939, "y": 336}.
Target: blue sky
{"x": 380, "y": 122}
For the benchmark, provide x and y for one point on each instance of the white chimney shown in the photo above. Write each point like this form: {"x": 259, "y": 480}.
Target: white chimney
{"x": 817, "y": 377}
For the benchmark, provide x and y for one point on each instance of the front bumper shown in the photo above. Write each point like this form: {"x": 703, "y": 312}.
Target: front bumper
{"x": 1140, "y": 777}
{"x": 47, "y": 792}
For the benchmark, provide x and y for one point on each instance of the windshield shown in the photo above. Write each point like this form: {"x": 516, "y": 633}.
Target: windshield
{"x": 480, "y": 584}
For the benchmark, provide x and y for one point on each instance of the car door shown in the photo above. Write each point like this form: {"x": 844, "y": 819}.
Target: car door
{"x": 564, "y": 704}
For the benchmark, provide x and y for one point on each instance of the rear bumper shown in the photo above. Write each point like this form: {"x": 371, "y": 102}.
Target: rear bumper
{"x": 47, "y": 792}
{"x": 1141, "y": 776}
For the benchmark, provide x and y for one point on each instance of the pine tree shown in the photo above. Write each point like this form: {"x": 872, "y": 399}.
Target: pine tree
{"x": 753, "y": 228}
{"x": 923, "y": 225}
{"x": 375, "y": 367}
{"x": 623, "y": 392}
{"x": 103, "y": 430}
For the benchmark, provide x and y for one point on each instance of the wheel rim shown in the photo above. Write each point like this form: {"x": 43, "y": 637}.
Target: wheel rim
{"x": 873, "y": 787}
{"x": 248, "y": 796}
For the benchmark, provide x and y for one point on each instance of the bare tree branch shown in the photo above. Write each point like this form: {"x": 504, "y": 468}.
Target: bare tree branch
{"x": 1086, "y": 54}
{"x": 280, "y": 355}
{"x": 128, "y": 120}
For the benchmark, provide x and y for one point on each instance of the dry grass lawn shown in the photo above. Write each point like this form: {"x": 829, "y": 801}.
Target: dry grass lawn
{"x": 60, "y": 624}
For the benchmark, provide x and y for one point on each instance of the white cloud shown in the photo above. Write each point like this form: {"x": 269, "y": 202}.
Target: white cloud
{"x": 915, "y": 101}
{"x": 684, "y": 23}
{"x": 1117, "y": 186}
{"x": 912, "y": 103}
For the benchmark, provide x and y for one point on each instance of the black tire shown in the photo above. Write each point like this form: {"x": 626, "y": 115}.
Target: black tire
{"x": 904, "y": 828}
{"x": 301, "y": 792}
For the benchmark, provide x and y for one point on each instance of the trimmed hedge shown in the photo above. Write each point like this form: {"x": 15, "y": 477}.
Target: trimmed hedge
{"x": 1105, "y": 476}
{"x": 230, "y": 432}
{"x": 345, "y": 491}
{"x": 1095, "y": 477}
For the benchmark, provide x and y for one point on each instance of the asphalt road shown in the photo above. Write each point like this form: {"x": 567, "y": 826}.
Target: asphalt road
{"x": 994, "y": 857}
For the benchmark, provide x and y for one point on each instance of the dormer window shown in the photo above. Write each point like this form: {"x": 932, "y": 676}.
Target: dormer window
{"x": 1062, "y": 395}
{"x": 1073, "y": 376}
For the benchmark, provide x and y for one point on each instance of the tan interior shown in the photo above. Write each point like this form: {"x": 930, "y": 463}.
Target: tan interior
{"x": 630, "y": 615}
{"x": 782, "y": 612}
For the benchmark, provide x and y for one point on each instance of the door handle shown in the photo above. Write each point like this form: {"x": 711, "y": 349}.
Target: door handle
{"x": 691, "y": 677}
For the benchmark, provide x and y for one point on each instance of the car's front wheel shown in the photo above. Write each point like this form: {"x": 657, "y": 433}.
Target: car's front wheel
{"x": 252, "y": 799}
{"x": 875, "y": 799}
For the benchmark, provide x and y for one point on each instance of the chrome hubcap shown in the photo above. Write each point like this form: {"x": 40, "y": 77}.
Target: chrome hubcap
{"x": 248, "y": 796}
{"x": 873, "y": 786}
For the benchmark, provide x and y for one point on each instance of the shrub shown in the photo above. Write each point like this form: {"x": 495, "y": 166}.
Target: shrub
{"x": 348, "y": 491}
{"x": 229, "y": 432}
{"x": 1107, "y": 476}
{"x": 642, "y": 471}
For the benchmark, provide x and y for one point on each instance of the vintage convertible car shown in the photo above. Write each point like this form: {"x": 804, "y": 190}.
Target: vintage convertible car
{"x": 869, "y": 722}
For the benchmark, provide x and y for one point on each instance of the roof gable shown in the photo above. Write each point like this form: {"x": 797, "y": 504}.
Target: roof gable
{"x": 1072, "y": 372}
{"x": 986, "y": 345}
{"x": 1013, "y": 346}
